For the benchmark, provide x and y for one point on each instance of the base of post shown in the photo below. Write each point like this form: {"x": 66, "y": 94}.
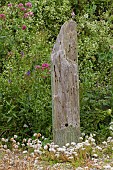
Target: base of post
{"x": 66, "y": 135}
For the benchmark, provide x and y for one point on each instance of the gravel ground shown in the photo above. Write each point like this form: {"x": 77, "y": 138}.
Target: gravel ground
{"x": 94, "y": 164}
{"x": 86, "y": 155}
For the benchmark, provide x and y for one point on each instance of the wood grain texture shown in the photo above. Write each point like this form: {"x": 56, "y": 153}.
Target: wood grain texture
{"x": 65, "y": 86}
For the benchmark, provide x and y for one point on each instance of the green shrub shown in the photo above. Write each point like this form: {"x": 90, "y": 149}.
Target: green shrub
{"x": 95, "y": 64}
{"x": 26, "y": 41}
{"x": 25, "y": 80}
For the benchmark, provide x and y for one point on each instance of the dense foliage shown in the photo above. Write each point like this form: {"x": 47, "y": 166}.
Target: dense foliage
{"x": 28, "y": 31}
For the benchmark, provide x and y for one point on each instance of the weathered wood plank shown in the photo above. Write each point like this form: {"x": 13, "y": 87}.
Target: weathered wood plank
{"x": 65, "y": 86}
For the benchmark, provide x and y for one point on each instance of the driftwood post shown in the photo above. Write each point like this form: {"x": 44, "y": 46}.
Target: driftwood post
{"x": 65, "y": 86}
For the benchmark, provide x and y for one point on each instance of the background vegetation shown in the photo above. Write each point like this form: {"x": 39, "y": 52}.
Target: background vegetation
{"x": 28, "y": 32}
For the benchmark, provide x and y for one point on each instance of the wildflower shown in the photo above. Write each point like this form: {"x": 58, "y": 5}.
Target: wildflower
{"x": 9, "y": 5}
{"x": 3, "y": 139}
{"x": 83, "y": 149}
{"x": 23, "y": 144}
{"x": 86, "y": 143}
{"x": 109, "y": 139}
{"x": 9, "y": 81}
{"x": 15, "y": 136}
{"x": 99, "y": 148}
{"x": 91, "y": 139}
{"x": 18, "y": 143}
{"x": 36, "y": 161}
{"x": 14, "y": 141}
{"x": 32, "y": 154}
{"x": 111, "y": 123}
{"x": 104, "y": 143}
{"x": 38, "y": 151}
{"x": 71, "y": 150}
{"x": 24, "y": 140}
{"x": 42, "y": 137}
{"x": 28, "y": 4}
{"x": 73, "y": 143}
{"x": 2, "y": 16}
{"x": 57, "y": 155}
{"x": 46, "y": 147}
{"x": 86, "y": 136}
{"x": 23, "y": 9}
{"x": 56, "y": 146}
{"x": 28, "y": 14}
{"x": 75, "y": 154}
{"x": 24, "y": 152}
{"x": 32, "y": 146}
{"x": 20, "y": 5}
{"x": 52, "y": 150}
{"x": 8, "y": 151}
{"x": 107, "y": 167}
{"x": 67, "y": 144}
{"x": 5, "y": 146}
{"x": 37, "y": 67}
{"x": 73, "y": 14}
{"x": 39, "y": 135}
{"x": 28, "y": 73}
{"x": 83, "y": 134}
{"x": 110, "y": 128}
{"x": 61, "y": 149}
{"x": 29, "y": 140}
{"x": 79, "y": 168}
{"x": 24, "y": 27}
{"x": 45, "y": 65}
{"x": 79, "y": 145}
{"x": 86, "y": 16}
{"x": 81, "y": 138}
{"x": 16, "y": 146}
{"x": 95, "y": 155}
{"x": 25, "y": 126}
{"x": 6, "y": 140}
{"x": 70, "y": 157}
{"x": 35, "y": 134}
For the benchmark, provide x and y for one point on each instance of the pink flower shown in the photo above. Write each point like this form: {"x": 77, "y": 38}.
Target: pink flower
{"x": 9, "y": 5}
{"x": 30, "y": 13}
{"x": 28, "y": 4}
{"x": 37, "y": 67}
{"x": 45, "y": 65}
{"x": 23, "y": 9}
{"x": 26, "y": 15}
{"x": 2, "y": 16}
{"x": 73, "y": 14}
{"x": 24, "y": 27}
{"x": 20, "y": 5}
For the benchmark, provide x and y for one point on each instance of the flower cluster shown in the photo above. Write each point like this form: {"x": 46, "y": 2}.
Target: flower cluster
{"x": 24, "y": 27}
{"x": 9, "y": 5}
{"x": 20, "y": 5}
{"x": 28, "y": 4}
{"x": 45, "y": 67}
{"x": 2, "y": 16}
{"x": 23, "y": 8}
{"x": 28, "y": 14}
{"x": 34, "y": 149}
